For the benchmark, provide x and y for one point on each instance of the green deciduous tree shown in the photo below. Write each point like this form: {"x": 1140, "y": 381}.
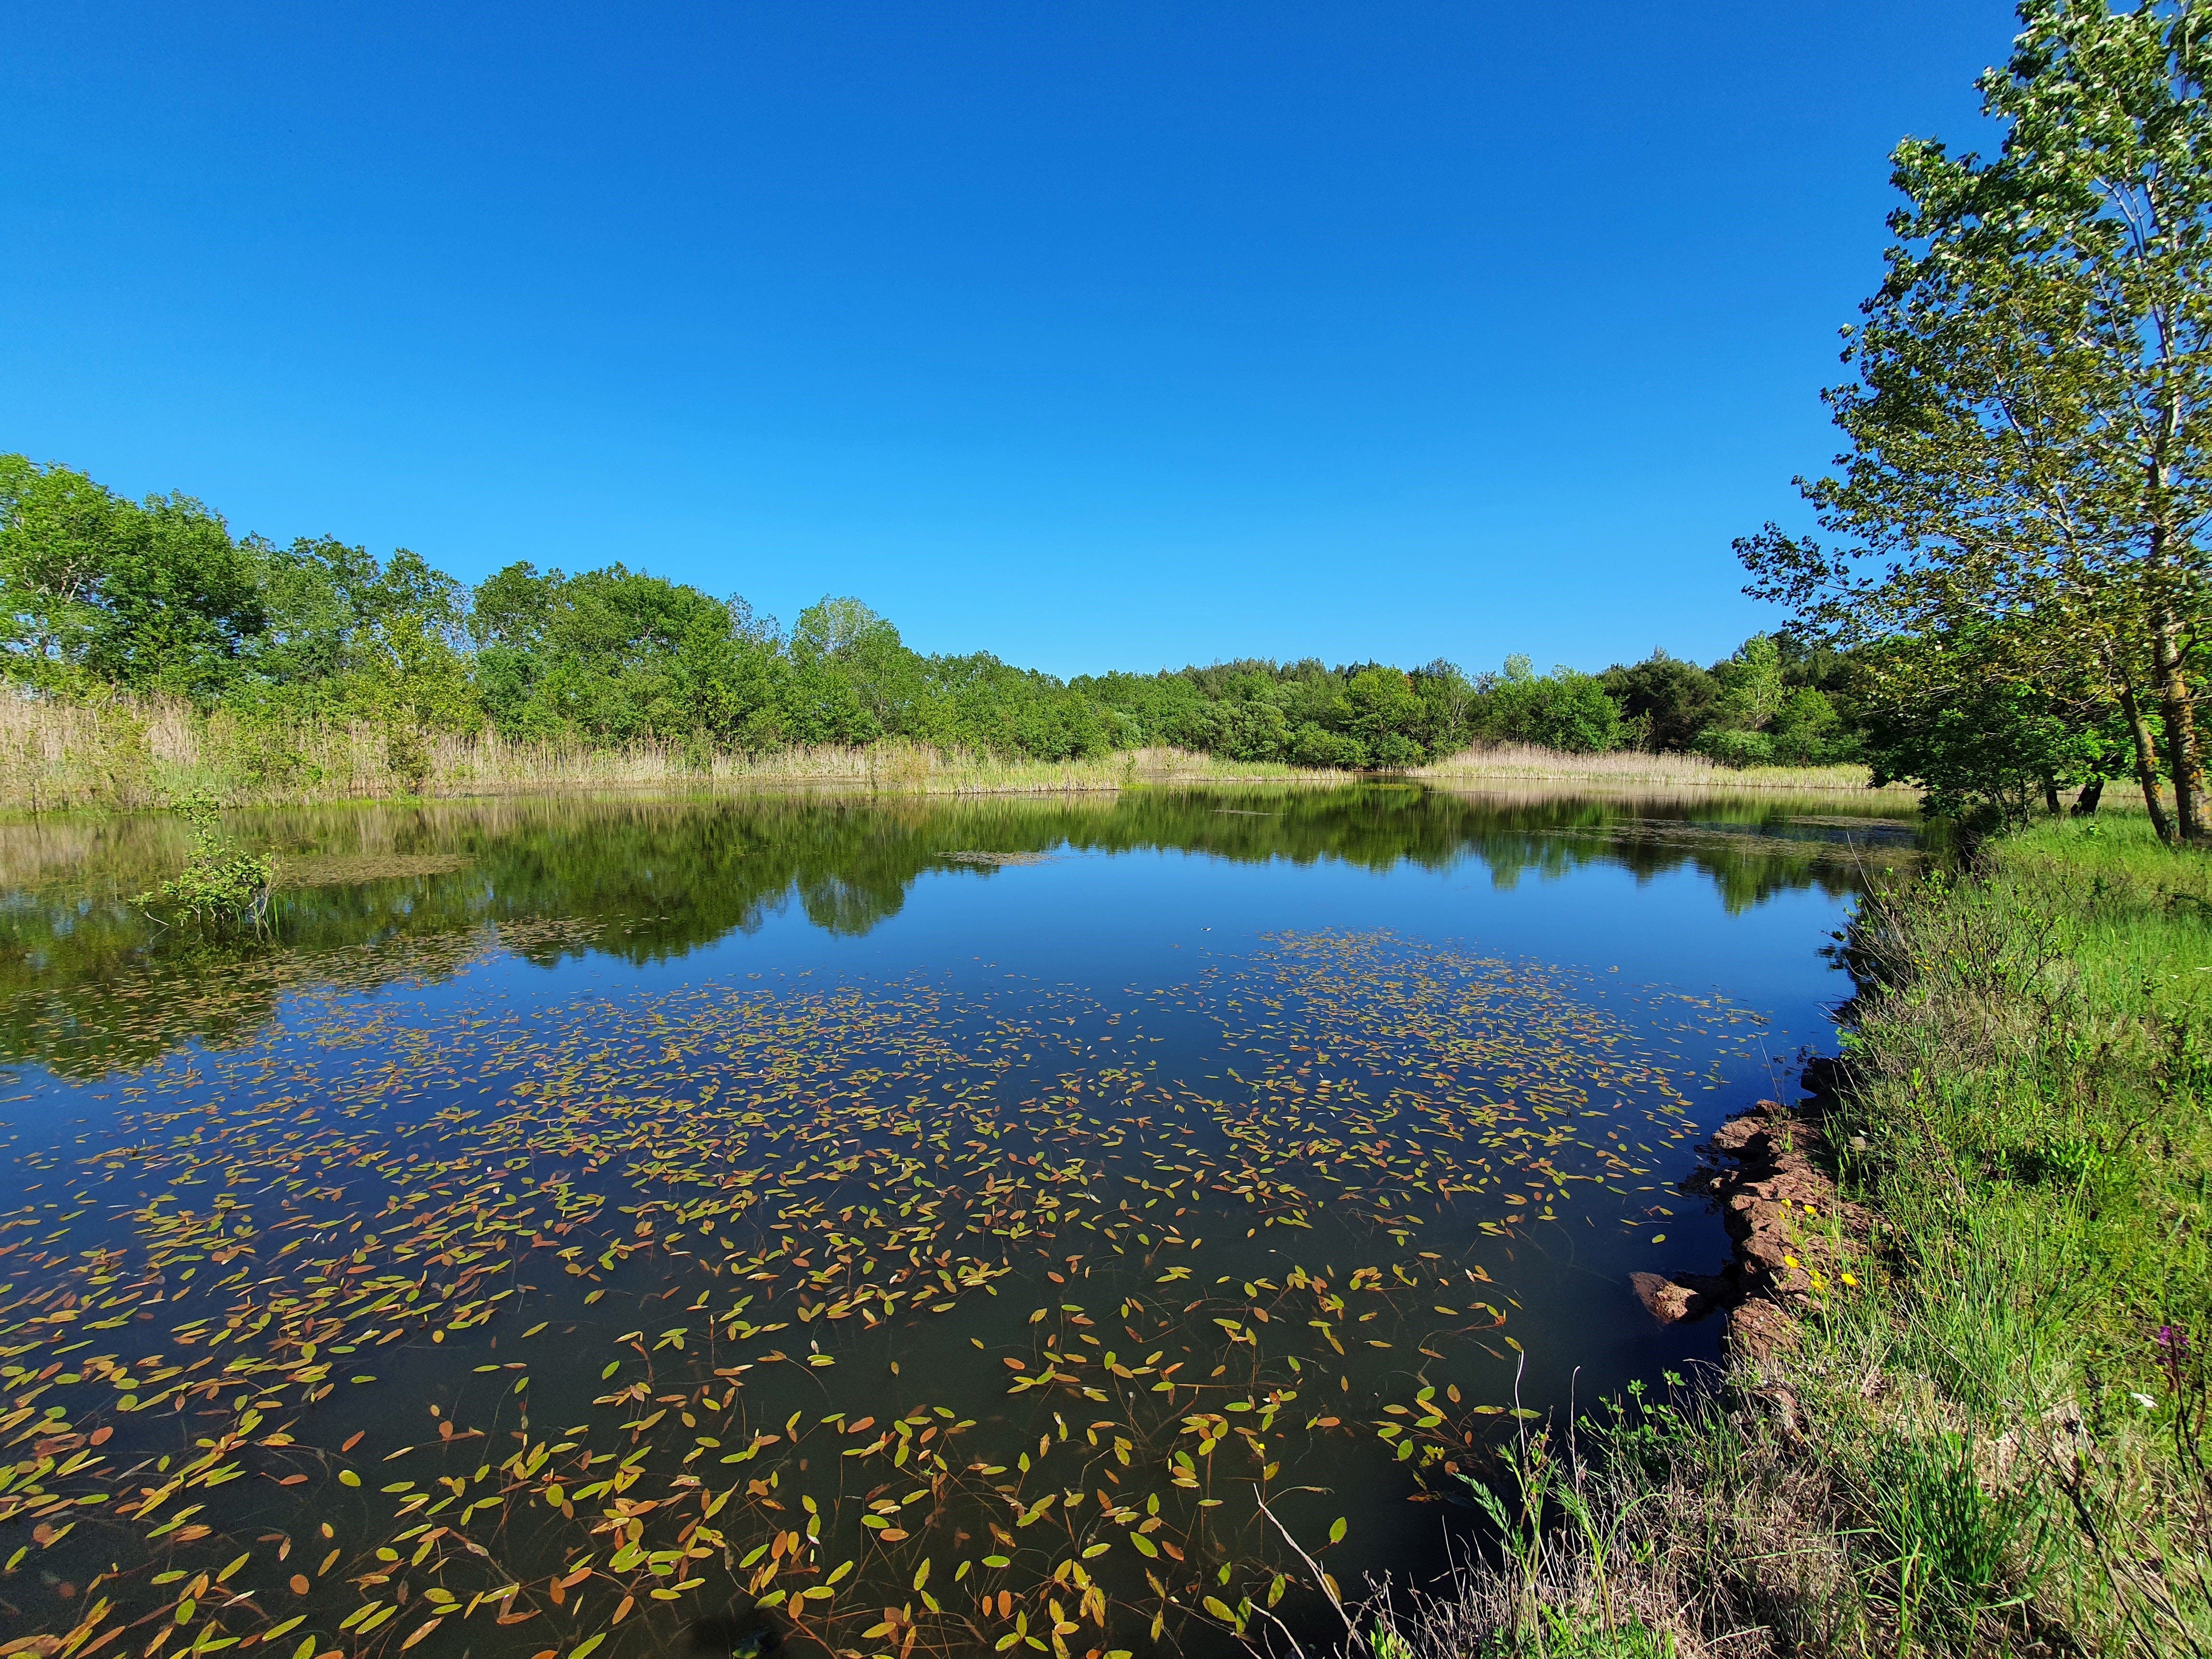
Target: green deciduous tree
{"x": 1955, "y": 711}
{"x": 1386, "y": 714}
{"x": 2029, "y": 421}
{"x": 1563, "y": 710}
{"x": 618, "y": 654}
{"x": 1763, "y": 712}
{"x": 96, "y": 589}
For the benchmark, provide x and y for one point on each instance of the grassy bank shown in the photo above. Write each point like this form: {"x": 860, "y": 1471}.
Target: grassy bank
{"x": 1994, "y": 1441}
{"x": 126, "y": 753}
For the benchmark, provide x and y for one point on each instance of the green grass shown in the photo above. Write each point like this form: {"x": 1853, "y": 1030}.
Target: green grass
{"x": 2033, "y": 1047}
{"x": 1998, "y": 1443}
{"x": 2136, "y": 912}
{"x": 2036, "y": 1052}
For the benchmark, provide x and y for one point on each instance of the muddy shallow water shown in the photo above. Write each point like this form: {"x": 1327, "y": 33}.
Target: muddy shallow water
{"x": 624, "y": 1226}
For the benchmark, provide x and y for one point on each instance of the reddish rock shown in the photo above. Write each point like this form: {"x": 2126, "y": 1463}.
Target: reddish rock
{"x": 1793, "y": 1237}
{"x": 1685, "y": 1295}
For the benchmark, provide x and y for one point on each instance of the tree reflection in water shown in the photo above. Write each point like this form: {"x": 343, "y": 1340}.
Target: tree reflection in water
{"x": 377, "y": 895}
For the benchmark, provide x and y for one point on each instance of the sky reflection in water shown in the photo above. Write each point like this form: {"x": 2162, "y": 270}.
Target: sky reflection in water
{"x": 1253, "y": 1140}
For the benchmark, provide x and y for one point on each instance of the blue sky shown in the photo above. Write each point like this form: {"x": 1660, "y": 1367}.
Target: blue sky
{"x": 1094, "y": 335}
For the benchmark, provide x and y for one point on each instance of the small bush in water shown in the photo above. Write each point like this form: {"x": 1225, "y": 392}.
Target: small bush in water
{"x": 222, "y": 887}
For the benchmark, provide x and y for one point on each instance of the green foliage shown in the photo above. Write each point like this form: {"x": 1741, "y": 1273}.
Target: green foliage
{"x": 345, "y": 633}
{"x": 2031, "y": 414}
{"x": 1303, "y": 713}
{"x": 97, "y": 590}
{"x": 1382, "y": 712}
{"x": 1751, "y": 687}
{"x": 1563, "y": 709}
{"x": 1765, "y": 712}
{"x": 614, "y": 654}
{"x": 1314, "y": 744}
{"x": 408, "y": 756}
{"x": 1985, "y": 744}
{"x": 1576, "y": 1636}
{"x": 1665, "y": 702}
{"x": 222, "y": 890}
{"x": 157, "y": 597}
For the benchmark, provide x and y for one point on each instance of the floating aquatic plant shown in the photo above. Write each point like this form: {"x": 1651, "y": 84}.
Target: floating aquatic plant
{"x": 900, "y": 1317}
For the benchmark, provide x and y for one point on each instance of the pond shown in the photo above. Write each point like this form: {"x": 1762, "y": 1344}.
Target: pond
{"x": 1060, "y": 1224}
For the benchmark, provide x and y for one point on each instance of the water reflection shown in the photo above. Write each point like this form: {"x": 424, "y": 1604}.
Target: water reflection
{"x": 1021, "y": 1245}
{"x": 380, "y": 894}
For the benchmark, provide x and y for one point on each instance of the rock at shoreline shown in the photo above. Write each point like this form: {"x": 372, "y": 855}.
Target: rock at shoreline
{"x": 1685, "y": 1295}
{"x": 1795, "y": 1239}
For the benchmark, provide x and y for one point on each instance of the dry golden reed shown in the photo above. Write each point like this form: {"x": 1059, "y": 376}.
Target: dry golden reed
{"x": 123, "y": 753}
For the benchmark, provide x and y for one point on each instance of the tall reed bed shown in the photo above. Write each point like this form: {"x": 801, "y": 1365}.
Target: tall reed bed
{"x": 491, "y": 764}
{"x": 125, "y": 753}
{"x": 1632, "y": 766}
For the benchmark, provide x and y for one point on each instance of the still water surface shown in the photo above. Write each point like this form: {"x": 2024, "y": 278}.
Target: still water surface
{"x": 623, "y": 1227}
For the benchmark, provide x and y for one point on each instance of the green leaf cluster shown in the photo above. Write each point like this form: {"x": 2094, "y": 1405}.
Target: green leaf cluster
{"x": 223, "y": 889}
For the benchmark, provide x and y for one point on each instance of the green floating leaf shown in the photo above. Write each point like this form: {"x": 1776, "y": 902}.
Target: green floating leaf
{"x": 679, "y": 1165}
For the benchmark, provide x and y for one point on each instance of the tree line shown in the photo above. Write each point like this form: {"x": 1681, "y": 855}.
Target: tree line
{"x": 103, "y": 594}
{"x": 99, "y": 593}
